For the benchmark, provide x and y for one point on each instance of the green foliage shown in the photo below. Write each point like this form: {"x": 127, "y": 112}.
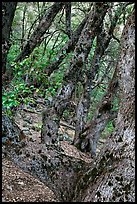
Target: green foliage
{"x": 108, "y": 130}
{"x": 18, "y": 93}
{"x": 115, "y": 104}
{"x": 31, "y": 71}
{"x": 13, "y": 52}
{"x": 54, "y": 83}
{"x": 66, "y": 114}
{"x": 9, "y": 100}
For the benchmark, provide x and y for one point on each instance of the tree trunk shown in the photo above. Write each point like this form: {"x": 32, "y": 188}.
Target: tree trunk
{"x": 11, "y": 133}
{"x": 113, "y": 177}
{"x": 8, "y": 10}
{"x": 68, "y": 18}
{"x": 89, "y": 136}
{"x": 84, "y": 102}
{"x": 103, "y": 40}
{"x": 23, "y": 27}
{"x": 51, "y": 116}
{"x": 49, "y": 163}
{"x": 36, "y": 37}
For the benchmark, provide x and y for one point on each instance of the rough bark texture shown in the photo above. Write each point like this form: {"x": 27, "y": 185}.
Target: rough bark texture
{"x": 113, "y": 177}
{"x": 49, "y": 163}
{"x": 11, "y": 133}
{"x": 103, "y": 40}
{"x": 51, "y": 116}
{"x": 8, "y": 10}
{"x": 84, "y": 102}
{"x": 36, "y": 37}
{"x": 68, "y": 18}
{"x": 89, "y": 136}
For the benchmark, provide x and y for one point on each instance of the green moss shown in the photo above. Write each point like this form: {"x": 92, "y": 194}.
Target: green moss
{"x": 108, "y": 130}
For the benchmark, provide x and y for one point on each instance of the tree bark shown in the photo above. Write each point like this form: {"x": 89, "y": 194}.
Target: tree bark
{"x": 89, "y": 136}
{"x": 49, "y": 163}
{"x": 40, "y": 30}
{"x": 112, "y": 179}
{"x": 68, "y": 18}
{"x": 103, "y": 40}
{"x": 51, "y": 116}
{"x": 11, "y": 133}
{"x": 23, "y": 27}
{"x": 8, "y": 10}
{"x": 84, "y": 102}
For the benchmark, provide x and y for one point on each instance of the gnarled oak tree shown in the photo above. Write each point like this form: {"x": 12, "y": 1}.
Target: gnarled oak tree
{"x": 110, "y": 177}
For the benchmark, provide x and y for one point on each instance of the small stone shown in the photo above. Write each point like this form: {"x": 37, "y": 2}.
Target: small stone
{"x": 20, "y": 183}
{"x": 9, "y": 187}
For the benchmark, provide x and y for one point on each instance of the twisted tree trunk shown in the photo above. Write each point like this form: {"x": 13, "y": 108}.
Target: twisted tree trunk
{"x": 89, "y": 136}
{"x": 103, "y": 40}
{"x": 52, "y": 115}
{"x": 112, "y": 177}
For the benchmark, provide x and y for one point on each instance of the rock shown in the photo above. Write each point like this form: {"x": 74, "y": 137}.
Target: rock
{"x": 9, "y": 188}
{"x": 20, "y": 183}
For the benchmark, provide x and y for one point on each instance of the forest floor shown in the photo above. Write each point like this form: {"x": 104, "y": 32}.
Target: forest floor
{"x": 18, "y": 185}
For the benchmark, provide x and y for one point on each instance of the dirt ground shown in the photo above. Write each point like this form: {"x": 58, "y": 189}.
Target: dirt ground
{"x": 19, "y": 186}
